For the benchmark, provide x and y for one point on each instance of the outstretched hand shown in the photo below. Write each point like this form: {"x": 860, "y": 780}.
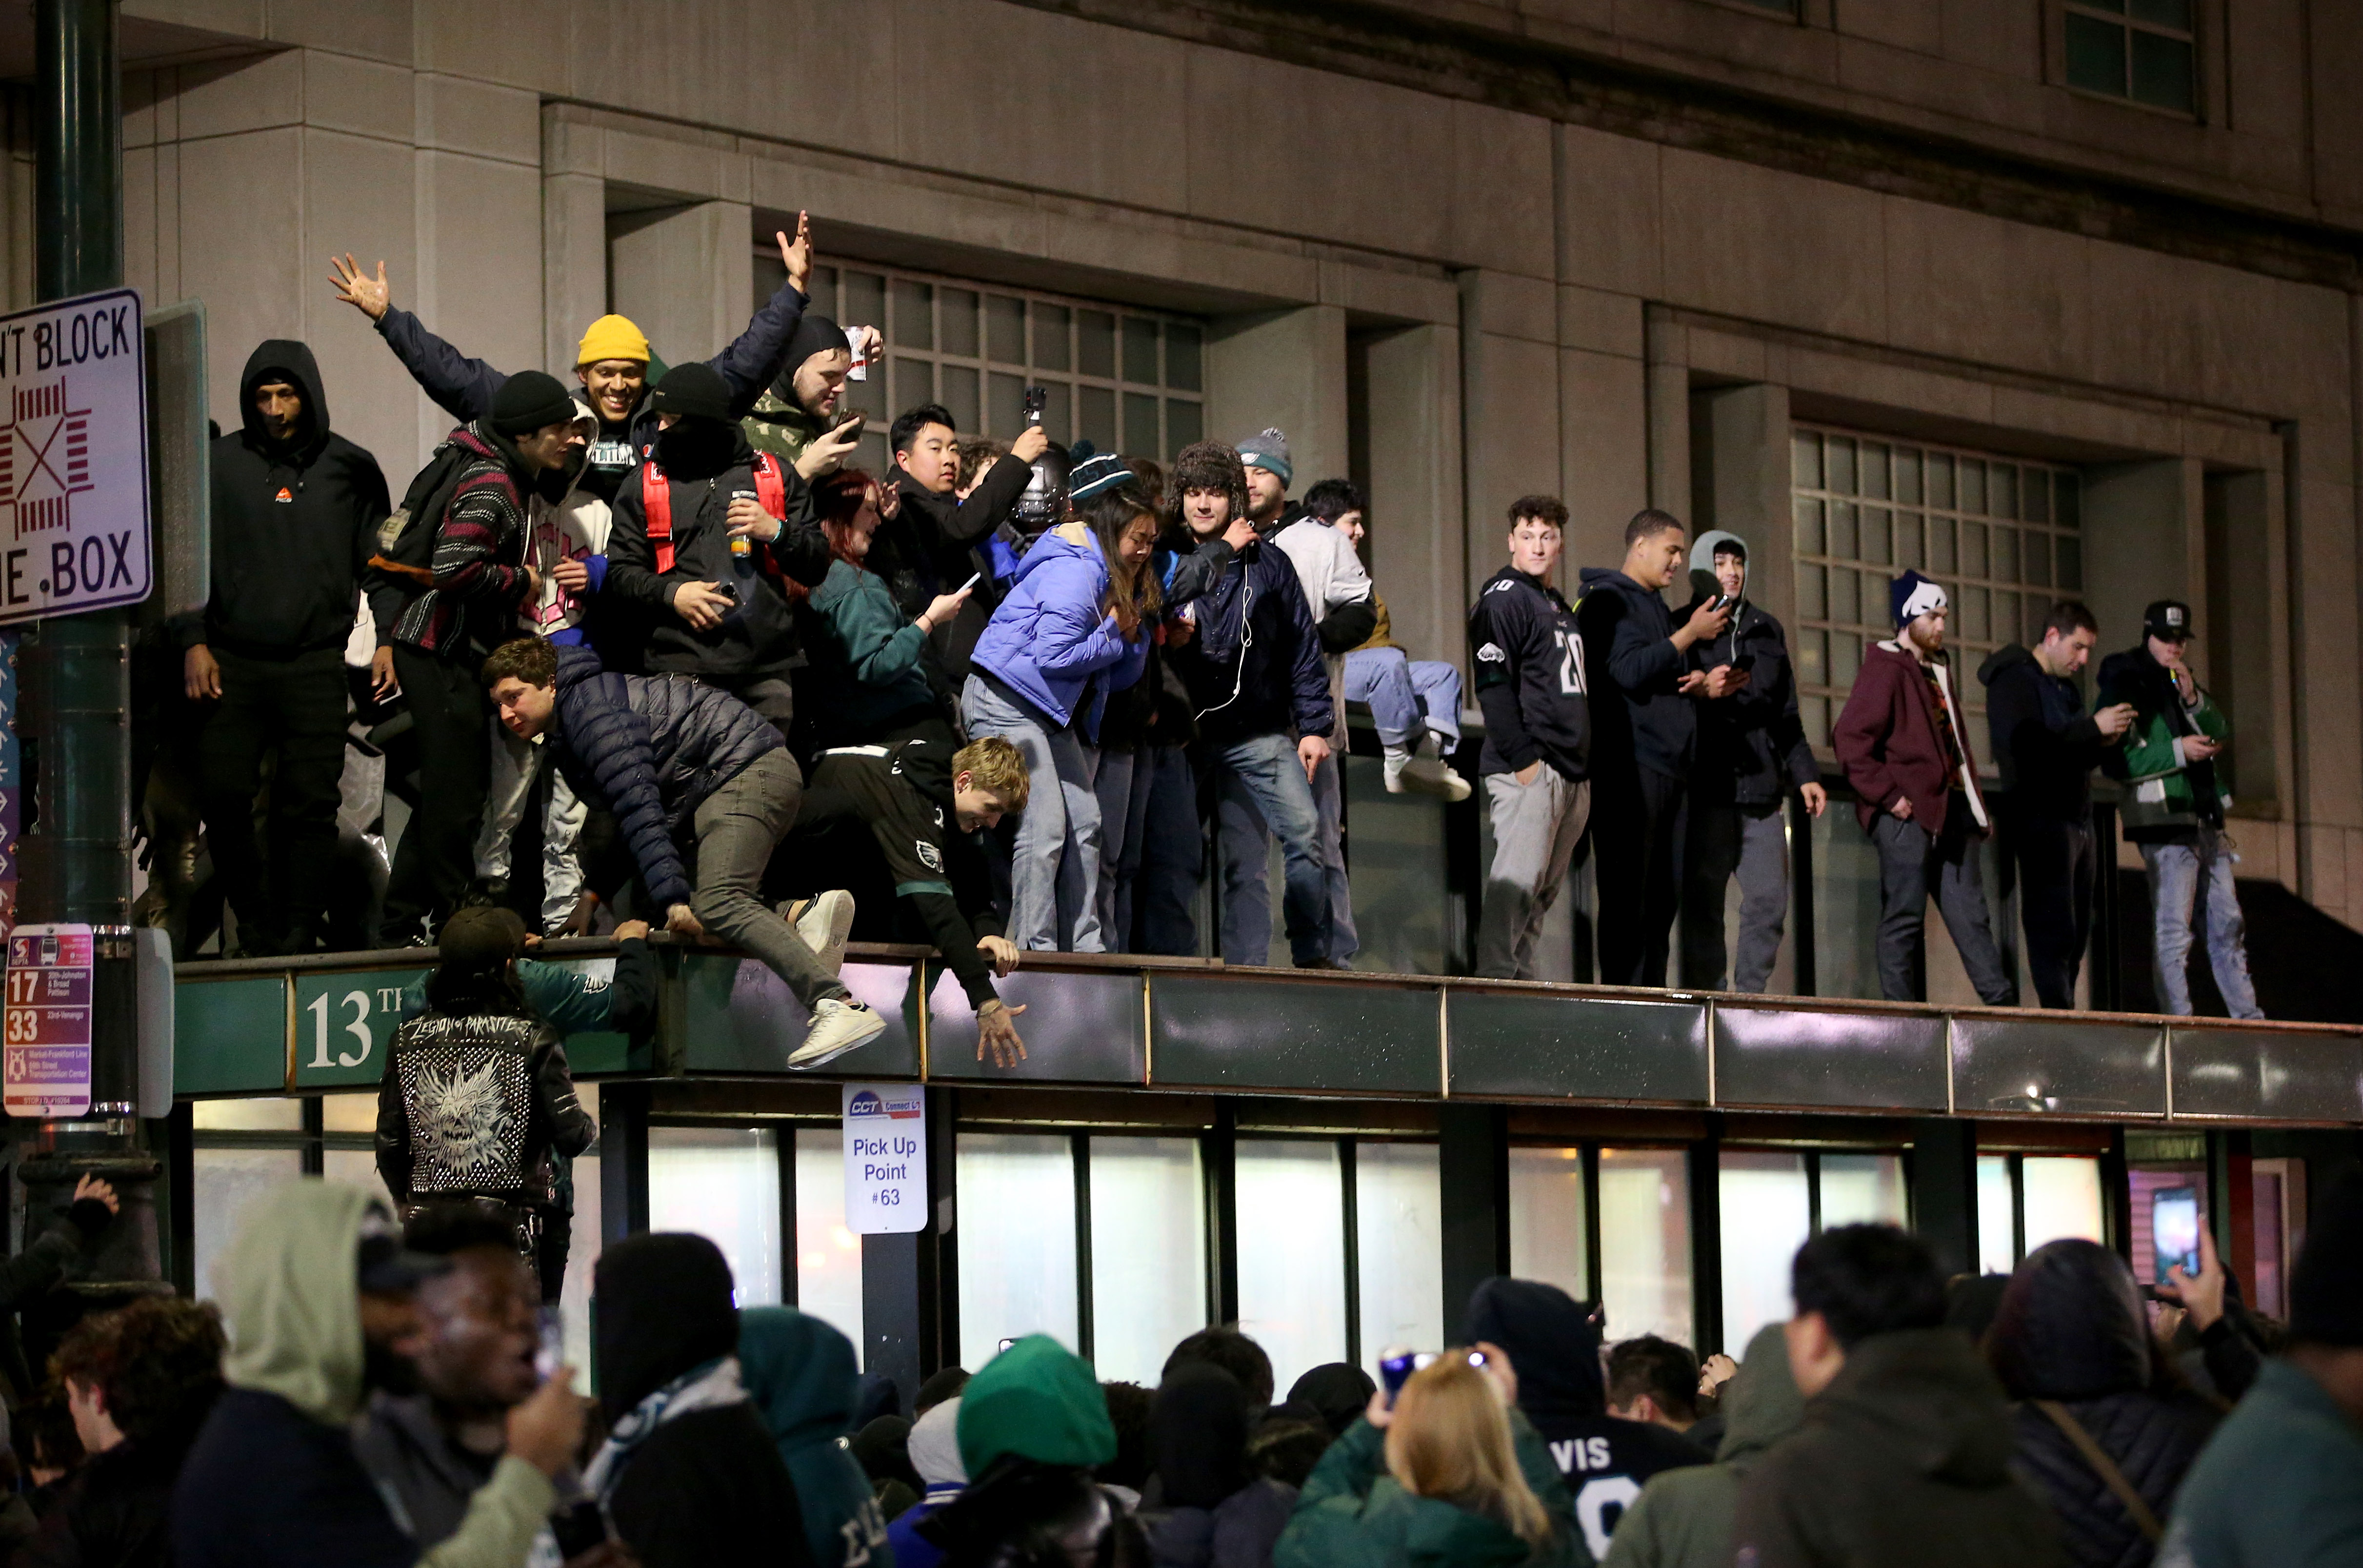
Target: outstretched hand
{"x": 796, "y": 254}
{"x": 996, "y": 1034}
{"x": 371, "y": 297}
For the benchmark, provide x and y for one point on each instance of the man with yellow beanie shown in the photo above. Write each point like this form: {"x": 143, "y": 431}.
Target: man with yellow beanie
{"x": 611, "y": 361}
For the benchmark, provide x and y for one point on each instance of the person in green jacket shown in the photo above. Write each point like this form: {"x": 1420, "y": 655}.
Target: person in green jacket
{"x": 867, "y": 674}
{"x": 2174, "y": 809}
{"x": 800, "y": 1374}
{"x": 2281, "y": 1481}
{"x": 1682, "y": 1518}
{"x": 1452, "y": 1475}
{"x": 796, "y": 418}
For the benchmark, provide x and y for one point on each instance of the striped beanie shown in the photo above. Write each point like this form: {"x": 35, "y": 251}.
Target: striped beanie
{"x": 1092, "y": 473}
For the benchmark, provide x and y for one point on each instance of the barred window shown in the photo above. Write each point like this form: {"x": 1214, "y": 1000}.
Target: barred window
{"x": 1132, "y": 380}
{"x": 2000, "y": 533}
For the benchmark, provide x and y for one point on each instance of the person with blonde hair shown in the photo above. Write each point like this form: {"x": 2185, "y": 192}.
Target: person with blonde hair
{"x": 1449, "y": 1471}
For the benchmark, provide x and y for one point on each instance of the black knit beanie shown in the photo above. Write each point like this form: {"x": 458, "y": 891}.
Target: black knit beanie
{"x": 815, "y": 334}
{"x": 693, "y": 391}
{"x": 529, "y": 401}
{"x": 2327, "y": 1286}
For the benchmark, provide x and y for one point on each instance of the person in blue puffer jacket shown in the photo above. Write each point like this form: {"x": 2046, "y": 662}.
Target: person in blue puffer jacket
{"x": 1074, "y": 626}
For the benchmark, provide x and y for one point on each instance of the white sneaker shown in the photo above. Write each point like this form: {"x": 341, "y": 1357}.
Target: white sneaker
{"x": 822, "y": 924}
{"x": 838, "y": 1025}
{"x": 1430, "y": 776}
{"x": 1398, "y": 758}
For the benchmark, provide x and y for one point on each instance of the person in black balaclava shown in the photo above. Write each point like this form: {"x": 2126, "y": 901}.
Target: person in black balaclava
{"x": 295, "y": 511}
{"x": 709, "y": 574}
{"x": 1554, "y": 1343}
{"x": 1213, "y": 1511}
{"x": 797, "y": 414}
{"x": 689, "y": 1473}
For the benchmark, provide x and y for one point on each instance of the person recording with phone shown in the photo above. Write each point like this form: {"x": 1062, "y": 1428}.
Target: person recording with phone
{"x": 1751, "y": 751}
{"x": 934, "y": 540}
{"x": 431, "y": 1448}
{"x": 802, "y": 418}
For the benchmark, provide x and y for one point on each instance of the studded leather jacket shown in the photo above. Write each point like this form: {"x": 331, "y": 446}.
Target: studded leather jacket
{"x": 473, "y": 1105}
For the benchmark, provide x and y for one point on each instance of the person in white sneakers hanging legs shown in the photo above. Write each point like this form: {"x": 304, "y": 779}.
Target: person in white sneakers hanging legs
{"x": 665, "y": 754}
{"x": 1405, "y": 696}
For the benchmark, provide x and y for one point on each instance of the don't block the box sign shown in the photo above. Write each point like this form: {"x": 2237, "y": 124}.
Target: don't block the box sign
{"x": 73, "y": 457}
{"x": 885, "y": 1158}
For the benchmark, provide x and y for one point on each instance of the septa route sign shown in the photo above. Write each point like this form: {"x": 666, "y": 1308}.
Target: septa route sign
{"x": 73, "y": 457}
{"x": 885, "y": 1158}
{"x": 47, "y": 1022}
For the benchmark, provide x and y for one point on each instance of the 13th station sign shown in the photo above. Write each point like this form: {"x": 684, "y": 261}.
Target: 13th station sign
{"x": 73, "y": 457}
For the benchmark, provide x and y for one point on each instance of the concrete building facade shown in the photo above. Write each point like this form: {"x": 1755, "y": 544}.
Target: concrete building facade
{"x": 1778, "y": 268}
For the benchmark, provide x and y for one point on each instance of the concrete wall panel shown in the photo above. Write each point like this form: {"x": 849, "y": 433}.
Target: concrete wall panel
{"x": 1116, "y": 137}
{"x": 1504, "y": 219}
{"x": 460, "y": 116}
{"x": 1418, "y": 529}
{"x": 1812, "y": 255}
{"x": 251, "y": 267}
{"x": 684, "y": 277}
{"x": 1604, "y": 446}
{"x": 346, "y": 183}
{"x": 1609, "y": 221}
{"x": 381, "y": 30}
{"x": 1292, "y": 150}
{"x": 480, "y": 234}
{"x": 223, "y": 97}
{"x": 1285, "y": 369}
{"x": 1977, "y": 288}
{"x": 366, "y": 97}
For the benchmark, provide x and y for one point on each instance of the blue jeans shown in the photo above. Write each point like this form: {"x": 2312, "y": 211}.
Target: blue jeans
{"x": 1402, "y": 693}
{"x": 1057, "y": 857}
{"x": 1260, "y": 790}
{"x": 1173, "y": 855}
{"x": 2177, "y": 873}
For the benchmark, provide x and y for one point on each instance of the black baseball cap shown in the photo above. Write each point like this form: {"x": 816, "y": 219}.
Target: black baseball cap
{"x": 382, "y": 1265}
{"x": 2168, "y": 620}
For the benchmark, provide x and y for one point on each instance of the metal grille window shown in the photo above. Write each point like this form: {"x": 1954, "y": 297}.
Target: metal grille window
{"x": 2142, "y": 50}
{"x": 1998, "y": 533}
{"x": 1132, "y": 380}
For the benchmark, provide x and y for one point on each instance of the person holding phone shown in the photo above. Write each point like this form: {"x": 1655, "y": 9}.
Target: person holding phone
{"x": 1074, "y": 628}
{"x": 2175, "y": 810}
{"x": 1752, "y": 752}
{"x": 802, "y": 417}
{"x": 934, "y": 537}
{"x": 866, "y": 677}
{"x": 2046, "y": 747}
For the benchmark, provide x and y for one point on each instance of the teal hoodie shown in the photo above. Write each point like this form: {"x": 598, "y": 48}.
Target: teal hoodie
{"x": 800, "y": 1372}
{"x": 1352, "y": 1514}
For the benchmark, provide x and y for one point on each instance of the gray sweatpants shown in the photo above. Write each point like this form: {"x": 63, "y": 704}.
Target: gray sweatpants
{"x": 1751, "y": 840}
{"x": 1535, "y": 829}
{"x": 1913, "y": 868}
{"x": 738, "y": 827}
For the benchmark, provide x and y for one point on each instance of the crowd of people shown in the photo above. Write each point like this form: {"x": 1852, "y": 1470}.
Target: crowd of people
{"x": 619, "y": 642}
{"x": 363, "y": 1391}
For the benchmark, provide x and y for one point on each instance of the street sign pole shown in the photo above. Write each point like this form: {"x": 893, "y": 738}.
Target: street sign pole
{"x": 75, "y": 722}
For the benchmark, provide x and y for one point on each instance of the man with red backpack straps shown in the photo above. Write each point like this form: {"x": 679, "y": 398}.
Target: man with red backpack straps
{"x": 706, "y": 532}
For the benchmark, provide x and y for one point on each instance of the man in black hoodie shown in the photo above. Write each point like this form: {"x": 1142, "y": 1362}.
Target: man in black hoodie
{"x": 1553, "y": 1341}
{"x": 690, "y": 561}
{"x": 690, "y": 1475}
{"x": 295, "y": 511}
{"x": 1906, "y": 1453}
{"x": 2046, "y": 747}
{"x": 1642, "y": 746}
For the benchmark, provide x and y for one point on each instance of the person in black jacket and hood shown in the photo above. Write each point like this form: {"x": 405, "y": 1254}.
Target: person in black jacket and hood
{"x": 1554, "y": 1343}
{"x": 295, "y": 511}
{"x": 717, "y": 607}
{"x": 2046, "y": 747}
{"x": 1642, "y": 745}
{"x": 1752, "y": 750}
{"x": 690, "y": 1477}
{"x": 2072, "y": 1345}
{"x": 1213, "y": 1512}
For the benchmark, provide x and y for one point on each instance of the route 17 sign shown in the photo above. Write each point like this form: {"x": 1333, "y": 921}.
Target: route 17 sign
{"x": 73, "y": 457}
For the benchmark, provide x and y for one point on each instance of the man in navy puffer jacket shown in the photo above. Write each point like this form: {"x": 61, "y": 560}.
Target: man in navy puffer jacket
{"x": 663, "y": 750}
